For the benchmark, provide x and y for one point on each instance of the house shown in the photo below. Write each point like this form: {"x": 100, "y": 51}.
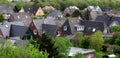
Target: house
{"x": 69, "y": 10}
{"x": 16, "y": 30}
{"x": 31, "y": 9}
{"x": 48, "y": 8}
{"x": 6, "y": 8}
{"x": 52, "y": 30}
{"x": 24, "y": 17}
{"x": 93, "y": 15}
{"x": 107, "y": 9}
{"x": 39, "y": 12}
{"x": 5, "y": 28}
{"x": 36, "y": 28}
{"x": 55, "y": 14}
{"x": 95, "y": 8}
{"x": 109, "y": 21}
{"x": 89, "y": 27}
{"x": 87, "y": 53}
{"x": 69, "y": 26}
{"x": 36, "y": 25}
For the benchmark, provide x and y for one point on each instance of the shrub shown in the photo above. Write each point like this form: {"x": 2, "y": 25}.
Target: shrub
{"x": 7, "y": 50}
{"x": 78, "y": 55}
{"x": 115, "y": 29}
{"x": 1, "y": 18}
{"x": 114, "y": 49}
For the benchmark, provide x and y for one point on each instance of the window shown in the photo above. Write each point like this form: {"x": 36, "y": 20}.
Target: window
{"x": 79, "y": 27}
{"x": 65, "y": 28}
{"x": 29, "y": 8}
{"x": 94, "y": 29}
{"x": 18, "y": 17}
{"x": 58, "y": 33}
{"x": 35, "y": 32}
{"x": 26, "y": 16}
{"x": 90, "y": 56}
{"x": 6, "y": 26}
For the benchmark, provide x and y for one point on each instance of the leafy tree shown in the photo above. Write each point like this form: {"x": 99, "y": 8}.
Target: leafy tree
{"x": 29, "y": 51}
{"x": 115, "y": 38}
{"x": 96, "y": 41}
{"x": 77, "y": 39}
{"x": 1, "y": 18}
{"x": 85, "y": 43}
{"x": 115, "y": 29}
{"x": 78, "y": 55}
{"x": 62, "y": 46}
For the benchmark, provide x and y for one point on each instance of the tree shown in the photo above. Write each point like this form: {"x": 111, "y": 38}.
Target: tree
{"x": 96, "y": 41}
{"x": 78, "y": 55}
{"x": 46, "y": 44}
{"x": 62, "y": 46}
{"x": 28, "y": 51}
{"x": 115, "y": 39}
{"x": 115, "y": 29}
{"x": 77, "y": 39}
{"x": 85, "y": 43}
{"x": 1, "y": 18}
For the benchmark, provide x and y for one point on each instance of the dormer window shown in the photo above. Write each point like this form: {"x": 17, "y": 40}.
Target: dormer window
{"x": 18, "y": 17}
{"x": 94, "y": 29}
{"x": 79, "y": 27}
{"x": 65, "y": 28}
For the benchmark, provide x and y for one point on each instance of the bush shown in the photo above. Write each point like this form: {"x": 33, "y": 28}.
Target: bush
{"x": 1, "y": 18}
{"x": 114, "y": 49}
{"x": 7, "y": 50}
{"x": 78, "y": 55}
{"x": 115, "y": 29}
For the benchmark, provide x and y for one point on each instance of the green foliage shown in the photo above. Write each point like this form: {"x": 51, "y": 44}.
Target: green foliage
{"x": 29, "y": 51}
{"x": 78, "y": 55}
{"x": 1, "y": 18}
{"x": 113, "y": 49}
{"x": 62, "y": 46}
{"x": 115, "y": 29}
{"x": 115, "y": 39}
{"x": 77, "y": 39}
{"x": 100, "y": 54}
{"x": 76, "y": 13}
{"x": 85, "y": 43}
{"x": 45, "y": 44}
{"x": 96, "y": 41}
{"x": 107, "y": 40}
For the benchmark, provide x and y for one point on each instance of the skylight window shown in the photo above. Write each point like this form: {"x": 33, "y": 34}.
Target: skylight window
{"x": 94, "y": 29}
